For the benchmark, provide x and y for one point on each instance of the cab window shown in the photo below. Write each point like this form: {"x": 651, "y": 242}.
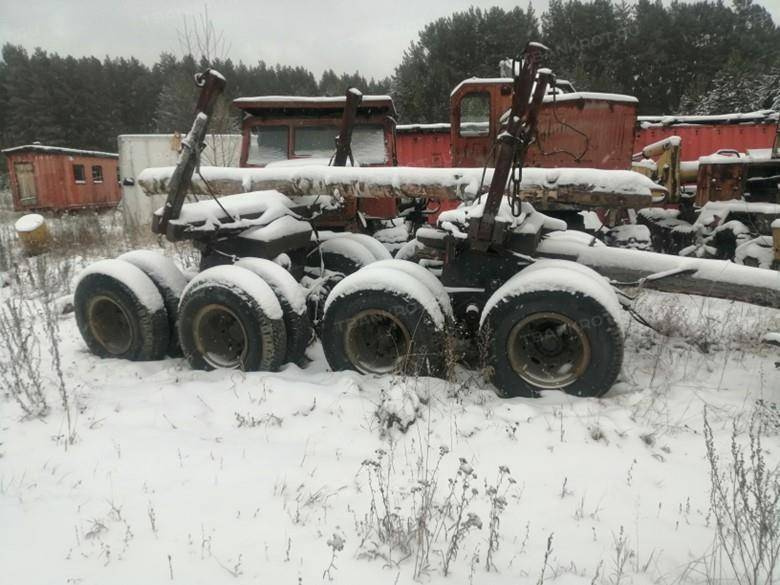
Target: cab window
{"x": 475, "y": 115}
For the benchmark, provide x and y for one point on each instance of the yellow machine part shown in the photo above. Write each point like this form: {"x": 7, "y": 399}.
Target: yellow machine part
{"x": 33, "y": 234}
{"x": 666, "y": 154}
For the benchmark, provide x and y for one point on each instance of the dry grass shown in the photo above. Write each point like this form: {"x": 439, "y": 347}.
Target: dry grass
{"x": 745, "y": 504}
{"x": 701, "y": 323}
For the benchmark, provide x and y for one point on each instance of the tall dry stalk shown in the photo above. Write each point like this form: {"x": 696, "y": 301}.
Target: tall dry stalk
{"x": 745, "y": 503}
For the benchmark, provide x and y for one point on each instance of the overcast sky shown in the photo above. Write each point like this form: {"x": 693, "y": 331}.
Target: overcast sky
{"x": 368, "y": 36}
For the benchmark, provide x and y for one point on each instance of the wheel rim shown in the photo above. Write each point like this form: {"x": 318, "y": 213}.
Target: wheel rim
{"x": 548, "y": 350}
{"x": 110, "y": 324}
{"x": 220, "y": 337}
{"x": 376, "y": 342}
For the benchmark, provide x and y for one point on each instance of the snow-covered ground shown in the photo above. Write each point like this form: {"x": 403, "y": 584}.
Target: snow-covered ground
{"x": 305, "y": 475}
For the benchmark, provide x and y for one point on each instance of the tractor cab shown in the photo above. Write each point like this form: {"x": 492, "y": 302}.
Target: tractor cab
{"x": 575, "y": 129}
{"x": 281, "y": 128}
{"x": 295, "y": 130}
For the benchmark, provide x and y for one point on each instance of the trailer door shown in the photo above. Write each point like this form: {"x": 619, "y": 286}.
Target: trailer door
{"x": 25, "y": 179}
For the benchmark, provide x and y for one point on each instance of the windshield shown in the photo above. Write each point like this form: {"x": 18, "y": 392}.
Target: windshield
{"x": 267, "y": 144}
{"x": 368, "y": 143}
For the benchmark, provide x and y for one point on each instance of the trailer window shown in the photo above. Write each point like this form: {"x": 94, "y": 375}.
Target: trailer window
{"x": 475, "y": 115}
{"x": 78, "y": 174}
{"x": 97, "y": 174}
{"x": 267, "y": 144}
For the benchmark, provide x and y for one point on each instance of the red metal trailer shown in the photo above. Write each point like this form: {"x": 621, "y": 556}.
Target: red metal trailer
{"x": 704, "y": 135}
{"x": 57, "y": 179}
{"x": 435, "y": 145}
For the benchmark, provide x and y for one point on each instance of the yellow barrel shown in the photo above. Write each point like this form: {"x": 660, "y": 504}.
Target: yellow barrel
{"x": 33, "y": 234}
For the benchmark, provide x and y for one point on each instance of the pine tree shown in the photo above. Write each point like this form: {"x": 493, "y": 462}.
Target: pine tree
{"x": 465, "y": 44}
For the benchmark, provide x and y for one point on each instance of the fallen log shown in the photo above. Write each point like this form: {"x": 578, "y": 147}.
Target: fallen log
{"x": 630, "y": 268}
{"x": 545, "y": 188}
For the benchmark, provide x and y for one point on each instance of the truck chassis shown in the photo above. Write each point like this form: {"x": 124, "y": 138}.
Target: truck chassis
{"x": 506, "y": 279}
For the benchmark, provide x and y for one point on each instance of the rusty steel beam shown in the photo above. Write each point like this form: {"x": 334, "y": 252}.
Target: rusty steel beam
{"x": 513, "y": 142}
{"x": 212, "y": 84}
{"x": 344, "y": 139}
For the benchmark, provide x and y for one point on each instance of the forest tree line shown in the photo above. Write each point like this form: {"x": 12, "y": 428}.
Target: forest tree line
{"x": 684, "y": 57}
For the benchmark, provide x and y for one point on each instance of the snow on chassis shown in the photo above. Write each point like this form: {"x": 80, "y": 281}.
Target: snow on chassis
{"x": 494, "y": 270}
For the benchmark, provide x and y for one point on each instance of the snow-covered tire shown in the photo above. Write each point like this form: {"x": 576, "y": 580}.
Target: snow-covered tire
{"x": 373, "y": 245}
{"x": 377, "y": 249}
{"x": 384, "y": 322}
{"x": 545, "y": 331}
{"x": 292, "y": 299}
{"x": 758, "y": 252}
{"x": 432, "y": 283}
{"x": 169, "y": 281}
{"x": 409, "y": 250}
{"x": 120, "y": 313}
{"x": 584, "y": 272}
{"x": 343, "y": 255}
{"x": 230, "y": 318}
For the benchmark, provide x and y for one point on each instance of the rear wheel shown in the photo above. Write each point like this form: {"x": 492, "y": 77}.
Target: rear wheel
{"x": 425, "y": 277}
{"x": 393, "y": 327}
{"x": 547, "y": 331}
{"x": 230, "y": 318}
{"x": 341, "y": 254}
{"x": 292, "y": 299}
{"x": 170, "y": 282}
{"x": 120, "y": 312}
{"x": 374, "y": 246}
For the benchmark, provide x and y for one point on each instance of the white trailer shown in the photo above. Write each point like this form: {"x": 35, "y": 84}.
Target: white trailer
{"x": 140, "y": 151}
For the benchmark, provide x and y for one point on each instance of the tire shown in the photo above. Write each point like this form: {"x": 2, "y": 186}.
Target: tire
{"x": 341, "y": 254}
{"x": 757, "y": 253}
{"x": 120, "y": 313}
{"x": 230, "y": 318}
{"x": 527, "y": 352}
{"x": 373, "y": 245}
{"x": 170, "y": 282}
{"x": 585, "y": 272}
{"x": 292, "y": 299}
{"x": 432, "y": 283}
{"x": 370, "y": 243}
{"x": 382, "y": 323}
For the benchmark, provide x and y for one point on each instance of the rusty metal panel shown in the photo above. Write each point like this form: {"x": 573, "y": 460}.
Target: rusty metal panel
{"x": 424, "y": 149}
{"x": 702, "y": 140}
{"x": 720, "y": 181}
{"x": 588, "y": 133}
